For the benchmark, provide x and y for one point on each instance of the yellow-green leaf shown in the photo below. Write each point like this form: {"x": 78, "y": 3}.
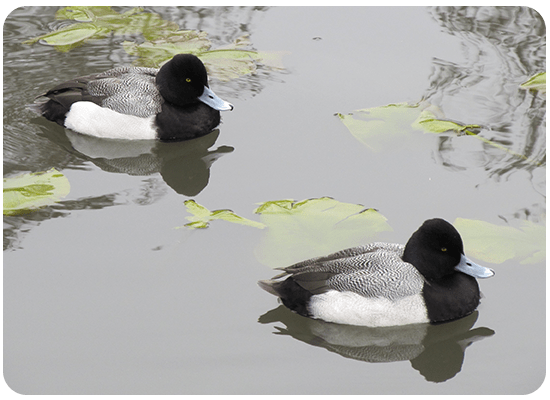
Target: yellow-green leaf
{"x": 94, "y": 22}
{"x": 85, "y": 13}
{"x": 536, "y": 82}
{"x": 497, "y": 244}
{"x": 229, "y": 62}
{"x": 69, "y": 35}
{"x": 202, "y": 216}
{"x": 28, "y": 192}
{"x": 314, "y": 227}
{"x": 428, "y": 123}
{"x": 154, "y": 53}
{"x": 381, "y": 127}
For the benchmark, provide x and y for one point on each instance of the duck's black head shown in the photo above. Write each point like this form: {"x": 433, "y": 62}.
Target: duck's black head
{"x": 435, "y": 249}
{"x": 182, "y": 80}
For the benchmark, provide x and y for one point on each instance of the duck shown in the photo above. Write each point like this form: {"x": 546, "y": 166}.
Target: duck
{"x": 427, "y": 280}
{"x": 172, "y": 103}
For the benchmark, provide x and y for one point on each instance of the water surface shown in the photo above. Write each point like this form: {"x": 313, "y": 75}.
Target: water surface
{"x": 103, "y": 295}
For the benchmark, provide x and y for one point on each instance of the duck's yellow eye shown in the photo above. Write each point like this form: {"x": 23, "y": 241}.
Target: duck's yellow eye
{"x": 187, "y": 80}
{"x": 443, "y": 249}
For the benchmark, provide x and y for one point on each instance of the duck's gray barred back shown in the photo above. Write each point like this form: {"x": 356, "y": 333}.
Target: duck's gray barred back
{"x": 129, "y": 90}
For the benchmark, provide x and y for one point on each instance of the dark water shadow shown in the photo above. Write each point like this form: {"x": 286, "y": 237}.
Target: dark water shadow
{"x": 436, "y": 351}
{"x": 184, "y": 166}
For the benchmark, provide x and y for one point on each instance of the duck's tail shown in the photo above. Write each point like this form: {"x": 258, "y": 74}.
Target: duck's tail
{"x": 270, "y": 286}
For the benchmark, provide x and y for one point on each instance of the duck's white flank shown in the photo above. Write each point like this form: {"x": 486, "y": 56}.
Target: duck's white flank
{"x": 91, "y": 119}
{"x": 354, "y": 309}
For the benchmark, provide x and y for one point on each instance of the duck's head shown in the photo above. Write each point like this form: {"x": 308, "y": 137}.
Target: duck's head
{"x": 436, "y": 250}
{"x": 183, "y": 80}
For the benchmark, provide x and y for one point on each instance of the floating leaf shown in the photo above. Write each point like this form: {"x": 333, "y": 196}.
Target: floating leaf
{"x": 388, "y": 126}
{"x": 98, "y": 22}
{"x": 314, "y": 227}
{"x": 496, "y": 244}
{"x": 28, "y": 192}
{"x": 88, "y": 13}
{"x": 71, "y": 34}
{"x": 536, "y": 82}
{"x": 163, "y": 40}
{"x": 154, "y": 53}
{"x": 380, "y": 127}
{"x": 202, "y": 216}
{"x": 230, "y": 64}
{"x": 428, "y": 123}
{"x": 225, "y": 64}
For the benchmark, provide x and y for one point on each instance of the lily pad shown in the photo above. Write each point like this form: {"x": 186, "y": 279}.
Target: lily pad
{"x": 72, "y": 34}
{"x": 97, "y": 22}
{"x": 154, "y": 53}
{"x": 314, "y": 227}
{"x": 163, "y": 40}
{"x": 497, "y": 244}
{"x": 89, "y": 13}
{"x": 388, "y": 126}
{"x": 536, "y": 83}
{"x": 380, "y": 127}
{"x": 29, "y": 192}
{"x": 202, "y": 217}
{"x": 229, "y": 62}
{"x": 427, "y": 122}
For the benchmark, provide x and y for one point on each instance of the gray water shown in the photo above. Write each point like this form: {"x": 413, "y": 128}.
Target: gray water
{"x": 103, "y": 295}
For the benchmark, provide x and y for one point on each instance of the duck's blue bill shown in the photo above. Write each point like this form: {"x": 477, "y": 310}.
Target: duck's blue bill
{"x": 471, "y": 268}
{"x": 210, "y": 98}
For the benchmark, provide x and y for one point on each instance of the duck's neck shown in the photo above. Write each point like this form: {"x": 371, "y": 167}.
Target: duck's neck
{"x": 185, "y": 123}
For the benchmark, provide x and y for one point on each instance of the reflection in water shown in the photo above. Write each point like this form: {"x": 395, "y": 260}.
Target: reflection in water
{"x": 184, "y": 166}
{"x": 224, "y": 24}
{"x": 436, "y": 351}
{"x": 16, "y": 226}
{"x": 502, "y": 47}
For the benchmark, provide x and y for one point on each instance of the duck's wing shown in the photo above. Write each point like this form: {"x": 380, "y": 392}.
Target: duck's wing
{"x": 378, "y": 272}
{"x": 127, "y": 90}
{"x": 391, "y": 279}
{"x": 341, "y": 257}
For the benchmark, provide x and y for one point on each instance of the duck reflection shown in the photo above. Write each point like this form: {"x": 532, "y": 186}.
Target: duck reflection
{"x": 436, "y": 351}
{"x": 184, "y": 166}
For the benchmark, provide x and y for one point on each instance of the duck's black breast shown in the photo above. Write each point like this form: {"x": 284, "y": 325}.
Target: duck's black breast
{"x": 451, "y": 297}
{"x": 187, "y": 122}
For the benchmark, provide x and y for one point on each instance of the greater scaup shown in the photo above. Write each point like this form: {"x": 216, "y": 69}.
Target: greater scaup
{"x": 170, "y": 103}
{"x": 384, "y": 284}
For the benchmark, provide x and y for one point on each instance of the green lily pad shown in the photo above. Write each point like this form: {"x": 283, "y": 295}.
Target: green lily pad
{"x": 202, "y": 217}
{"x": 229, "y": 62}
{"x": 162, "y": 42}
{"x": 29, "y": 192}
{"x": 497, "y": 244}
{"x": 314, "y": 227}
{"x": 380, "y": 127}
{"x": 154, "y": 53}
{"x": 89, "y": 13}
{"x": 72, "y": 34}
{"x": 98, "y": 22}
{"x": 388, "y": 126}
{"x": 536, "y": 82}
{"x": 427, "y": 122}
